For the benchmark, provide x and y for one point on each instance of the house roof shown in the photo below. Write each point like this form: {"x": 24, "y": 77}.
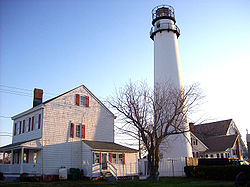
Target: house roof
{"x": 14, "y": 145}
{"x": 220, "y": 143}
{"x": 108, "y": 146}
{"x": 217, "y": 128}
{"x": 39, "y": 106}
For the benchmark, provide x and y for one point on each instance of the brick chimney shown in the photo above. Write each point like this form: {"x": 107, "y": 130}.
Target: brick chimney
{"x": 38, "y": 97}
{"x": 191, "y": 127}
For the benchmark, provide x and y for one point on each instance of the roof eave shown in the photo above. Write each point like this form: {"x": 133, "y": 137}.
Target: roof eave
{"x": 41, "y": 106}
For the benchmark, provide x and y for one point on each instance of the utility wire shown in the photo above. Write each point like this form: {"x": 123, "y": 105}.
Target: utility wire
{"x": 24, "y": 89}
{"x": 4, "y": 116}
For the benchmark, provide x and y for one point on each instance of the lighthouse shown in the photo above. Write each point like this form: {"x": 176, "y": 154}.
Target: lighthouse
{"x": 165, "y": 33}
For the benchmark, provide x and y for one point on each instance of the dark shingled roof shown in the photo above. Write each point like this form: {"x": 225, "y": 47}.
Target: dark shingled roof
{"x": 108, "y": 146}
{"x": 213, "y": 135}
{"x": 217, "y": 128}
{"x": 220, "y": 143}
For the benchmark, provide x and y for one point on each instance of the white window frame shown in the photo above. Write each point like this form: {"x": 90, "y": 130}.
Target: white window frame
{"x": 97, "y": 158}
{"x": 119, "y": 159}
{"x": 113, "y": 159}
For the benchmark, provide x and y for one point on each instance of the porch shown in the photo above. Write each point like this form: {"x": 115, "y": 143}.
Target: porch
{"x": 18, "y": 159}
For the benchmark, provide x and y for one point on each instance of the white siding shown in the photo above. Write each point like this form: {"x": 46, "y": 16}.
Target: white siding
{"x": 26, "y": 136}
{"x": 59, "y": 148}
{"x": 130, "y": 168}
{"x": 87, "y": 160}
{"x": 200, "y": 147}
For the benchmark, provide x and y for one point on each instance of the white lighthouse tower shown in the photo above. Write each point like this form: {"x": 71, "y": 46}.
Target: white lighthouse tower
{"x": 164, "y": 33}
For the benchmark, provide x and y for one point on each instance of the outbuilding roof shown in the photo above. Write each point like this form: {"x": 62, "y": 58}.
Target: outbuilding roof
{"x": 108, "y": 146}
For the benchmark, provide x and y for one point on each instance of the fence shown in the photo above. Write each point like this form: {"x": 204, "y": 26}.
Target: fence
{"x": 168, "y": 167}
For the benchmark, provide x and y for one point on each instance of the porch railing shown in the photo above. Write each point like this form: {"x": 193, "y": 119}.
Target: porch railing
{"x": 97, "y": 169}
{"x": 16, "y": 168}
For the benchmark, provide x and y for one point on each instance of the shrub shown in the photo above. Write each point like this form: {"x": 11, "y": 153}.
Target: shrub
{"x": 1, "y": 176}
{"x": 227, "y": 172}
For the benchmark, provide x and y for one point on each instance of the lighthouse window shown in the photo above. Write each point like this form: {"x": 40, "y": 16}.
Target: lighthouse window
{"x": 158, "y": 24}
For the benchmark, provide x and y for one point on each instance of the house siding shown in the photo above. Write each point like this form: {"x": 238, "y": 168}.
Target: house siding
{"x": 31, "y": 135}
{"x": 59, "y": 148}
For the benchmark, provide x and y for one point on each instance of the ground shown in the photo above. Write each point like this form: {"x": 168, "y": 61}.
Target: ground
{"x": 166, "y": 182}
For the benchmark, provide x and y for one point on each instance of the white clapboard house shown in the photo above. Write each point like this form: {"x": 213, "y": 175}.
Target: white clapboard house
{"x": 72, "y": 130}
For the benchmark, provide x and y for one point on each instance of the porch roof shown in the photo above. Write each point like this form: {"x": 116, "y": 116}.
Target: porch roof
{"x": 17, "y": 145}
{"x": 108, "y": 146}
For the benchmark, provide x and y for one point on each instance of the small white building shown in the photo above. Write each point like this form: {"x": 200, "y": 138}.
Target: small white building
{"x": 72, "y": 130}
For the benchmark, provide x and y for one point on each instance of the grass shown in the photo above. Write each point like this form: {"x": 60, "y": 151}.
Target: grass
{"x": 166, "y": 182}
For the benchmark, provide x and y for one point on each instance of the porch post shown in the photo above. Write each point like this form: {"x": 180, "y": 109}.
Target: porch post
{"x": 3, "y": 157}
{"x": 11, "y": 157}
{"x": 21, "y": 166}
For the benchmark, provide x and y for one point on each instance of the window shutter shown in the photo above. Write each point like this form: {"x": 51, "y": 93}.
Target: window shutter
{"x": 93, "y": 157}
{"x": 23, "y": 125}
{"x": 83, "y": 131}
{"x": 15, "y": 130}
{"x": 77, "y": 99}
{"x": 29, "y": 124}
{"x": 72, "y": 130}
{"x": 32, "y": 127}
{"x": 123, "y": 158}
{"x": 20, "y": 127}
{"x": 87, "y": 101}
{"x": 109, "y": 156}
{"x": 27, "y": 156}
{"x": 39, "y": 121}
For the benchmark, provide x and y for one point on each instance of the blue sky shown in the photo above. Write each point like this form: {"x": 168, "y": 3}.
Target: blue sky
{"x": 57, "y": 45}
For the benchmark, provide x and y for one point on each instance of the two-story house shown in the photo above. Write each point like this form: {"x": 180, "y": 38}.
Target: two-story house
{"x": 219, "y": 139}
{"x": 72, "y": 130}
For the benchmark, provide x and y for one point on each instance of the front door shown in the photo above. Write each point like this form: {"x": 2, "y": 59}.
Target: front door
{"x": 104, "y": 160}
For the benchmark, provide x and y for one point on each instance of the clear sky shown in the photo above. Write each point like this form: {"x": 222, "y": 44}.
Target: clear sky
{"x": 58, "y": 45}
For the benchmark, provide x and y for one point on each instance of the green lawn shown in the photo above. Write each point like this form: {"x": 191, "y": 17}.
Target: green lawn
{"x": 166, "y": 182}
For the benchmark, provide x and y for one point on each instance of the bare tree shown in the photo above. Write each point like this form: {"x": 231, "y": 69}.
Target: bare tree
{"x": 154, "y": 113}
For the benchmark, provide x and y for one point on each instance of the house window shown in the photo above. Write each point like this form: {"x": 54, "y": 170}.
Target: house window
{"x": 222, "y": 155}
{"x": 197, "y": 155}
{"x": 26, "y": 156}
{"x": 206, "y": 156}
{"x": 218, "y": 155}
{"x": 35, "y": 157}
{"x": 97, "y": 158}
{"x": 194, "y": 154}
{"x": 17, "y": 128}
{"x": 26, "y": 125}
{"x": 194, "y": 141}
{"x": 211, "y": 155}
{"x": 113, "y": 158}
{"x": 234, "y": 152}
{"x": 120, "y": 158}
{"x": 82, "y": 100}
{"x": 78, "y": 131}
{"x": 36, "y": 122}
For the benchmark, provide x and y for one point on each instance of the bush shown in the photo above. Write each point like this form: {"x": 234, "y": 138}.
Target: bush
{"x": 227, "y": 172}
{"x": 1, "y": 176}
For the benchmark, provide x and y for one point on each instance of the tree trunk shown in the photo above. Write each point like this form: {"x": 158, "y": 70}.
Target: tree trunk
{"x": 153, "y": 163}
